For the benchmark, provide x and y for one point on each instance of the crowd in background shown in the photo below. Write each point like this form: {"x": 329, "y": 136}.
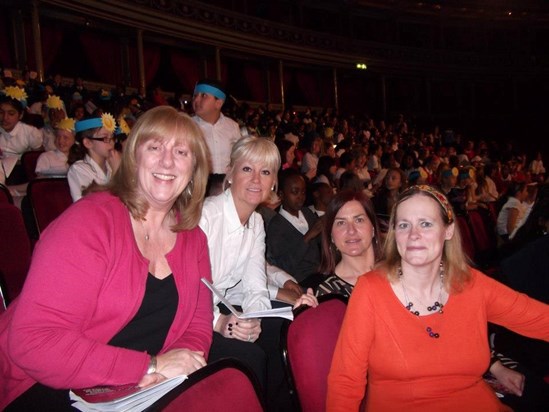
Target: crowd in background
{"x": 323, "y": 153}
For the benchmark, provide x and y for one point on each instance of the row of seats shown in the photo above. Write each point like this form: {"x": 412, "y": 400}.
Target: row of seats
{"x": 478, "y": 236}
{"x": 47, "y": 199}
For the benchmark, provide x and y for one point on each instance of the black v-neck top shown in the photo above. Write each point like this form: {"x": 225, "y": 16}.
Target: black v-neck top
{"x": 149, "y": 327}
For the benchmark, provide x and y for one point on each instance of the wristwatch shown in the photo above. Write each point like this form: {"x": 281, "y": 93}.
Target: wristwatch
{"x": 152, "y": 365}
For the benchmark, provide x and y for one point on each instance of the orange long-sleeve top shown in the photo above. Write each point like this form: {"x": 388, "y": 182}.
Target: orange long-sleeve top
{"x": 383, "y": 350}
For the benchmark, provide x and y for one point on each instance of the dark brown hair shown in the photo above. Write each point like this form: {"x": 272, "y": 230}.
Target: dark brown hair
{"x": 329, "y": 256}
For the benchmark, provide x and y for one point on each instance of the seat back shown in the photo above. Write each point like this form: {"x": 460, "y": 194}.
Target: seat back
{"x": 225, "y": 385}
{"x": 48, "y": 198}
{"x": 483, "y": 233}
{"x": 29, "y": 160}
{"x": 308, "y": 344}
{"x": 15, "y": 251}
{"x": 467, "y": 242}
{"x": 5, "y": 195}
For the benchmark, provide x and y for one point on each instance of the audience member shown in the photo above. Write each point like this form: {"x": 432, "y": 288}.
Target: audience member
{"x": 219, "y": 131}
{"x": 293, "y": 235}
{"x": 350, "y": 242}
{"x": 92, "y": 158}
{"x": 136, "y": 311}
{"x": 55, "y": 162}
{"x": 419, "y": 307}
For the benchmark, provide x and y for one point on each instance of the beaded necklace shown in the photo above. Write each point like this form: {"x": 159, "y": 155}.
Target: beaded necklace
{"x": 437, "y": 306}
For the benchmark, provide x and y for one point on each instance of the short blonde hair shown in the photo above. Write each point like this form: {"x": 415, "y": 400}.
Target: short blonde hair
{"x": 255, "y": 150}
{"x": 162, "y": 123}
{"x": 456, "y": 263}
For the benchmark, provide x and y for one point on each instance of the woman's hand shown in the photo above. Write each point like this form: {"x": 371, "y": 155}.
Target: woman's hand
{"x": 173, "y": 363}
{"x": 290, "y": 292}
{"x": 231, "y": 327}
{"x": 512, "y": 380}
{"x": 308, "y": 299}
{"x": 315, "y": 230}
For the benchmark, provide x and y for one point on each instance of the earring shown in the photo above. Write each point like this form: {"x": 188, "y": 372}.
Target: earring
{"x": 272, "y": 189}
{"x": 230, "y": 182}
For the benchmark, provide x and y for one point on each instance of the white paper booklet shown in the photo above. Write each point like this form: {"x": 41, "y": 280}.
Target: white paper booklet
{"x": 125, "y": 398}
{"x": 285, "y": 312}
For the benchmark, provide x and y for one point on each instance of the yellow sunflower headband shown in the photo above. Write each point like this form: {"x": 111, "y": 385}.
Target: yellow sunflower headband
{"x": 16, "y": 93}
{"x": 66, "y": 124}
{"x": 435, "y": 194}
{"x": 54, "y": 102}
{"x": 106, "y": 121}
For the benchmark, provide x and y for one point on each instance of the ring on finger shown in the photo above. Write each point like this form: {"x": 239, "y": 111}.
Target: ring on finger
{"x": 249, "y": 337}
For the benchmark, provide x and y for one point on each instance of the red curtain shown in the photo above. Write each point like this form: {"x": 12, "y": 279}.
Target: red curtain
{"x": 52, "y": 38}
{"x": 5, "y": 54}
{"x": 325, "y": 85}
{"x": 255, "y": 79}
{"x": 187, "y": 68}
{"x": 134, "y": 66}
{"x": 275, "y": 85}
{"x": 103, "y": 53}
{"x": 307, "y": 84}
{"x": 151, "y": 56}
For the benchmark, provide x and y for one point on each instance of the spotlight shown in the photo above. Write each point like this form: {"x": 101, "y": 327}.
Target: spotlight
{"x": 361, "y": 66}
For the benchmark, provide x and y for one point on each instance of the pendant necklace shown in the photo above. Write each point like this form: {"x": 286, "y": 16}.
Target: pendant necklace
{"x": 437, "y": 306}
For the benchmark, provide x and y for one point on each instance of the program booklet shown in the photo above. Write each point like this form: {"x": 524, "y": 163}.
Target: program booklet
{"x": 284, "y": 312}
{"x": 128, "y": 398}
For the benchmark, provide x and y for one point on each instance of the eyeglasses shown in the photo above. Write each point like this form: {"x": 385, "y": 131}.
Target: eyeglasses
{"x": 102, "y": 139}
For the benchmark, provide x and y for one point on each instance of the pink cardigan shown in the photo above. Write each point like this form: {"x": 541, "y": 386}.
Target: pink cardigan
{"x": 86, "y": 282}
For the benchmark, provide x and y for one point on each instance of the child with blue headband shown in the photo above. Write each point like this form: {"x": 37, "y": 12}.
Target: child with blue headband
{"x": 93, "y": 158}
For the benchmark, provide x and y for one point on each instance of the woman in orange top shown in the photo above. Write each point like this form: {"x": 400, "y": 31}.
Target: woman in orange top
{"x": 415, "y": 332}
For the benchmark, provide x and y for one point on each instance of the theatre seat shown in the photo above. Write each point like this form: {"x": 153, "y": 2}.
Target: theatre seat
{"x": 29, "y": 160}
{"x": 466, "y": 237}
{"x": 225, "y": 385}
{"x": 308, "y": 343}
{"x": 48, "y": 198}
{"x": 5, "y": 195}
{"x": 15, "y": 251}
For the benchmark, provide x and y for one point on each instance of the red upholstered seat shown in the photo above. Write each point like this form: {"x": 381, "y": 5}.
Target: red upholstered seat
{"x": 15, "y": 251}
{"x": 29, "y": 160}
{"x": 466, "y": 238}
{"x": 308, "y": 344}
{"x": 483, "y": 232}
{"x": 225, "y": 385}
{"x": 48, "y": 198}
{"x": 5, "y": 195}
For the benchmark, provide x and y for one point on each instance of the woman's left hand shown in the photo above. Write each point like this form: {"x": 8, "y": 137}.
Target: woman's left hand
{"x": 247, "y": 330}
{"x": 308, "y": 299}
{"x": 512, "y": 380}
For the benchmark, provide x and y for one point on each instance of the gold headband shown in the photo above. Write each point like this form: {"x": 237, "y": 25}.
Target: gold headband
{"x": 435, "y": 194}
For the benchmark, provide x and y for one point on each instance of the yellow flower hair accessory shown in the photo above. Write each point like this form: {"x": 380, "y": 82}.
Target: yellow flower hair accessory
{"x": 123, "y": 126}
{"x": 108, "y": 122}
{"x": 54, "y": 102}
{"x": 66, "y": 124}
{"x": 16, "y": 93}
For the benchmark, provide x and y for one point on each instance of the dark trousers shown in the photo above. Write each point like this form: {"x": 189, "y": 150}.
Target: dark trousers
{"x": 263, "y": 357}
{"x": 41, "y": 398}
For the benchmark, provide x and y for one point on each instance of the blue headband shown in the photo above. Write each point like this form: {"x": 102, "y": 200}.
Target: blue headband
{"x": 82, "y": 125}
{"x": 206, "y": 88}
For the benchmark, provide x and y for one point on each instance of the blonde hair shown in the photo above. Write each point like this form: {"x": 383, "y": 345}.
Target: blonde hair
{"x": 455, "y": 262}
{"x": 254, "y": 150}
{"x": 162, "y": 123}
